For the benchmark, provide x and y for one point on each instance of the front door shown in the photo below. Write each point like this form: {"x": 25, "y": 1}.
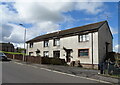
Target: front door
{"x": 68, "y": 56}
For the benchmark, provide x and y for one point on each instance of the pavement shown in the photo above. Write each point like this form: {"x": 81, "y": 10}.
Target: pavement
{"x": 18, "y": 71}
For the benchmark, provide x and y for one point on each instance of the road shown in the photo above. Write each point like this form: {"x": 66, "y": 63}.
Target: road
{"x": 13, "y": 72}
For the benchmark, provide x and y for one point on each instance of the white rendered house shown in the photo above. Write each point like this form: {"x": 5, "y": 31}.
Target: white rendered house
{"x": 88, "y": 44}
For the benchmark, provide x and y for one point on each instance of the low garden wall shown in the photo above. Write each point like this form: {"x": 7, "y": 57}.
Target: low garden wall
{"x": 37, "y": 59}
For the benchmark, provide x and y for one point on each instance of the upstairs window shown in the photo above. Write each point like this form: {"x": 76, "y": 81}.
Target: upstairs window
{"x": 46, "y": 53}
{"x": 46, "y": 43}
{"x": 83, "y": 38}
{"x": 56, "y": 42}
{"x": 31, "y": 45}
{"x": 83, "y": 52}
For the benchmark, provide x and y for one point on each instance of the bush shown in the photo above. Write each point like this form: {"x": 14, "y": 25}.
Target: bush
{"x": 53, "y": 61}
{"x": 57, "y": 61}
{"x": 45, "y": 60}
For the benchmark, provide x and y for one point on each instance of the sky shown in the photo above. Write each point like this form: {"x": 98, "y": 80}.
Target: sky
{"x": 40, "y": 17}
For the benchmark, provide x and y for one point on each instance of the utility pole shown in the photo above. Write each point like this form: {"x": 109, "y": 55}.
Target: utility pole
{"x": 24, "y": 40}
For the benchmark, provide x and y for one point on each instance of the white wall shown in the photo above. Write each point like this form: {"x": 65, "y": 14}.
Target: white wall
{"x": 70, "y": 43}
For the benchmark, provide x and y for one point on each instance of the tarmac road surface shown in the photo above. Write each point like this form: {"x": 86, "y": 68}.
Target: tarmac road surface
{"x": 13, "y": 72}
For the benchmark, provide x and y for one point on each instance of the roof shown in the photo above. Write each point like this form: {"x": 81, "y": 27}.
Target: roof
{"x": 6, "y": 45}
{"x": 69, "y": 32}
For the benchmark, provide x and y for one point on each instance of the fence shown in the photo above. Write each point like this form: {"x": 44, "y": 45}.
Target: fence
{"x": 117, "y": 56}
{"x": 38, "y": 59}
{"x": 30, "y": 59}
{"x": 112, "y": 65}
{"x": 33, "y": 59}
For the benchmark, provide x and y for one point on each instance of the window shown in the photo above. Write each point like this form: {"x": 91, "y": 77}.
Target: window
{"x": 56, "y": 42}
{"x": 31, "y": 45}
{"x": 83, "y": 52}
{"x": 46, "y": 43}
{"x": 30, "y": 53}
{"x": 83, "y": 38}
{"x": 46, "y": 53}
{"x": 56, "y": 54}
{"x": 37, "y": 52}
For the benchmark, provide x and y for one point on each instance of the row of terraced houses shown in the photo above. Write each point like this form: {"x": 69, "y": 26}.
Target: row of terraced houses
{"x": 89, "y": 44}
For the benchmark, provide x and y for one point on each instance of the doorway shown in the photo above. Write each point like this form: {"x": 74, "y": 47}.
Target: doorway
{"x": 68, "y": 55}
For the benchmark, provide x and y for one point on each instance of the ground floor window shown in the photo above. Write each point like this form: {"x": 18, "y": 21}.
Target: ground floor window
{"x": 46, "y": 53}
{"x": 30, "y": 53}
{"x": 56, "y": 54}
{"x": 83, "y": 52}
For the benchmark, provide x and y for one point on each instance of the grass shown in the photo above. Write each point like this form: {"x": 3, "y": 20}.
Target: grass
{"x": 116, "y": 76}
{"x": 12, "y": 52}
{"x": 113, "y": 76}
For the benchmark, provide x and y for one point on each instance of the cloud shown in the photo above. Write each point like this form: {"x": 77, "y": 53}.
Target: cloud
{"x": 48, "y": 26}
{"x": 90, "y": 7}
{"x": 7, "y": 15}
{"x": 44, "y": 16}
{"x": 7, "y": 30}
{"x": 113, "y": 30}
{"x": 15, "y": 35}
{"x": 21, "y": 45}
{"x": 45, "y": 11}
{"x": 41, "y": 28}
{"x": 117, "y": 48}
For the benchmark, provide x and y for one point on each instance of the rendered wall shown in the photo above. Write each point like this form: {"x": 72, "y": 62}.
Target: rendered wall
{"x": 70, "y": 43}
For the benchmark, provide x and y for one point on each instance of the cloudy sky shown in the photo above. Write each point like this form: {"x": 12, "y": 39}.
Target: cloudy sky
{"x": 40, "y": 17}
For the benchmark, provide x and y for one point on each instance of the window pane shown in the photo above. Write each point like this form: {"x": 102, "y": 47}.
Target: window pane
{"x": 46, "y": 43}
{"x": 31, "y": 45}
{"x": 56, "y": 42}
{"x": 56, "y": 54}
{"x": 81, "y": 39}
{"x": 46, "y": 53}
{"x": 87, "y": 37}
{"x": 84, "y": 39}
{"x": 30, "y": 53}
{"x": 83, "y": 52}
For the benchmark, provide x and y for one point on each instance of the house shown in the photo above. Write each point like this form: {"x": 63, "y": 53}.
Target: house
{"x": 89, "y": 44}
{"x": 8, "y": 47}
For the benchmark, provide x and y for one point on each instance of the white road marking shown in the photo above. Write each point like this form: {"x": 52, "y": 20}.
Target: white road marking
{"x": 18, "y": 63}
{"x": 26, "y": 65}
{"x": 64, "y": 73}
{"x": 74, "y": 75}
{"x": 34, "y": 66}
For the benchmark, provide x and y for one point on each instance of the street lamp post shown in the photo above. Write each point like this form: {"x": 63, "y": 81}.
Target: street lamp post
{"x": 24, "y": 41}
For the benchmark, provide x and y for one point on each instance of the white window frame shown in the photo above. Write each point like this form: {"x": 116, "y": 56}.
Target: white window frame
{"x": 46, "y": 53}
{"x": 31, "y": 45}
{"x": 84, "y": 38}
{"x": 57, "y": 42}
{"x": 46, "y": 43}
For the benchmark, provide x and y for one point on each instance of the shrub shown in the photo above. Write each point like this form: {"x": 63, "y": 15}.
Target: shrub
{"x": 57, "y": 61}
{"x": 53, "y": 61}
{"x": 45, "y": 60}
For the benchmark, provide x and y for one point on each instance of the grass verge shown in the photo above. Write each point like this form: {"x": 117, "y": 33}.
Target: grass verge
{"x": 12, "y": 52}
